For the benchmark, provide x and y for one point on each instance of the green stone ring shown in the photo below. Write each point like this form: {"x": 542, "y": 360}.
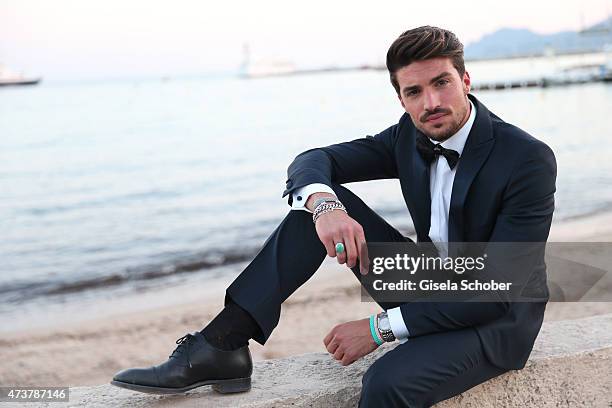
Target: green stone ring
{"x": 339, "y": 248}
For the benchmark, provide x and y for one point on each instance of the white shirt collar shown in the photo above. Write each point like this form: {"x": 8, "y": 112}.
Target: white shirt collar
{"x": 457, "y": 141}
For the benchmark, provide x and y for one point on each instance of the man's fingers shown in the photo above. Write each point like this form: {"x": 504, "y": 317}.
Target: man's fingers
{"x": 333, "y": 347}
{"x": 329, "y": 247}
{"x": 339, "y": 354}
{"x": 328, "y": 338}
{"x": 347, "y": 360}
{"x": 341, "y": 257}
{"x": 351, "y": 250}
{"x": 329, "y": 342}
{"x": 362, "y": 250}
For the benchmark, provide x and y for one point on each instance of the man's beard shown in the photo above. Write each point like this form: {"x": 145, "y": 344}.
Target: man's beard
{"x": 454, "y": 127}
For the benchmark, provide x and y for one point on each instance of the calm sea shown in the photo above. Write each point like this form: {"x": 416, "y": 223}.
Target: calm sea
{"x": 107, "y": 184}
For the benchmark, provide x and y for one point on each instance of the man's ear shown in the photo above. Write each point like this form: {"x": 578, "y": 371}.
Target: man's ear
{"x": 467, "y": 82}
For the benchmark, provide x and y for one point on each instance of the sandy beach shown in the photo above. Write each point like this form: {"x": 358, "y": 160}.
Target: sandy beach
{"x": 89, "y": 351}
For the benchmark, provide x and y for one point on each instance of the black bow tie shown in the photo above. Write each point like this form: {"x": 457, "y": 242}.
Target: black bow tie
{"x": 429, "y": 151}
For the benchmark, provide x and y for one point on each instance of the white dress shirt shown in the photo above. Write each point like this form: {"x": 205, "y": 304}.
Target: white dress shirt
{"x": 441, "y": 179}
{"x": 300, "y": 195}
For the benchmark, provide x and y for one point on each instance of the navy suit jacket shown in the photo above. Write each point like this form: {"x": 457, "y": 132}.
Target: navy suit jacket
{"x": 503, "y": 191}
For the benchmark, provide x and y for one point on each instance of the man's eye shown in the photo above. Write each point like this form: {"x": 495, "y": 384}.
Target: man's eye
{"x": 443, "y": 82}
{"x": 411, "y": 93}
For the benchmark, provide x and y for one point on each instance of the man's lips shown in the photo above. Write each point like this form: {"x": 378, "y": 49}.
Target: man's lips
{"x": 435, "y": 116}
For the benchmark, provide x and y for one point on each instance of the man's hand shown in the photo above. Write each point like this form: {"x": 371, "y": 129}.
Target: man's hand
{"x": 350, "y": 341}
{"x": 337, "y": 226}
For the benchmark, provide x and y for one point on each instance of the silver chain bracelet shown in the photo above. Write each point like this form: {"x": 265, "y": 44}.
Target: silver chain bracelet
{"x": 326, "y": 207}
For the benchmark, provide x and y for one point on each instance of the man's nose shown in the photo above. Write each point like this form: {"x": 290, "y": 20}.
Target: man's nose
{"x": 430, "y": 100}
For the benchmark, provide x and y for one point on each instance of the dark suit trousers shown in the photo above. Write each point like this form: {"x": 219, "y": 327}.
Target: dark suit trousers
{"x": 420, "y": 372}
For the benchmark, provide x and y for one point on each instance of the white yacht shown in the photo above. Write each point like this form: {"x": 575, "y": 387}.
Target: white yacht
{"x": 8, "y": 77}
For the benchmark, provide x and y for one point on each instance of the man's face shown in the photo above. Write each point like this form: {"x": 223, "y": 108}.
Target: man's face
{"x": 435, "y": 96}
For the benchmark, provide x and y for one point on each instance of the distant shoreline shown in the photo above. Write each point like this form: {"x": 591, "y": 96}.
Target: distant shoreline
{"x": 211, "y": 260}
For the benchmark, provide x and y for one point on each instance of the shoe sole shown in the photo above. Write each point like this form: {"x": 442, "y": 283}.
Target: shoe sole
{"x": 221, "y": 386}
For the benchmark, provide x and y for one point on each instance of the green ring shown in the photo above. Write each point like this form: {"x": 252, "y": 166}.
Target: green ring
{"x": 339, "y": 248}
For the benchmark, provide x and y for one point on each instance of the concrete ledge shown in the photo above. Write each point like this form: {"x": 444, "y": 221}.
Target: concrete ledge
{"x": 571, "y": 365}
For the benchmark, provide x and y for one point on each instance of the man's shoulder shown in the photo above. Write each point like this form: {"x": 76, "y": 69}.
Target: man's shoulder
{"x": 391, "y": 134}
{"x": 510, "y": 137}
{"x": 404, "y": 123}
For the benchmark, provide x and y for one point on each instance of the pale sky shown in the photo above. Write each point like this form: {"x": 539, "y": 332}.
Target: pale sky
{"x": 78, "y": 39}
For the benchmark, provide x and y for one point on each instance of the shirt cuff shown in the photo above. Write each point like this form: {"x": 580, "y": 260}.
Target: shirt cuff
{"x": 398, "y": 326}
{"x": 300, "y": 195}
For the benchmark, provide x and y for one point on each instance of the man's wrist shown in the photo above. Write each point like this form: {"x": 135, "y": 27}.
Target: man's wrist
{"x": 314, "y": 196}
{"x": 374, "y": 331}
{"x": 384, "y": 327}
{"x": 300, "y": 195}
{"x": 398, "y": 324}
{"x": 323, "y": 207}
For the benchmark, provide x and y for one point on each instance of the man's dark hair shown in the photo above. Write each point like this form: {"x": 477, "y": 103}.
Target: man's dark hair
{"x": 424, "y": 43}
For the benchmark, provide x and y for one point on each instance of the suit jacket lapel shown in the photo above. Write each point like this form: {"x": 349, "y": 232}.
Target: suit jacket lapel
{"x": 422, "y": 189}
{"x": 477, "y": 148}
{"x": 414, "y": 179}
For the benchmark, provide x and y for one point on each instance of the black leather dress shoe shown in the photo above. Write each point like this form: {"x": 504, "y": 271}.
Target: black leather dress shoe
{"x": 192, "y": 364}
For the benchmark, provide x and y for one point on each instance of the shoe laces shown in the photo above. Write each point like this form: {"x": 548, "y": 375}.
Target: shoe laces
{"x": 183, "y": 347}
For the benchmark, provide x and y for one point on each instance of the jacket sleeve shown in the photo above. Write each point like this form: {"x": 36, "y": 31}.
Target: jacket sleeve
{"x": 367, "y": 158}
{"x": 525, "y": 216}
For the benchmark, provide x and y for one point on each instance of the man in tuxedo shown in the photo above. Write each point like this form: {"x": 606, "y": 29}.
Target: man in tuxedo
{"x": 466, "y": 176}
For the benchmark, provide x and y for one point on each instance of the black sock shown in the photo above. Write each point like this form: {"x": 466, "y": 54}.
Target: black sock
{"x": 231, "y": 329}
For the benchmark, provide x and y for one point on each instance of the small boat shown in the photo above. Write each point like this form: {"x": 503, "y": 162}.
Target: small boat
{"x": 10, "y": 78}
{"x": 606, "y": 69}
